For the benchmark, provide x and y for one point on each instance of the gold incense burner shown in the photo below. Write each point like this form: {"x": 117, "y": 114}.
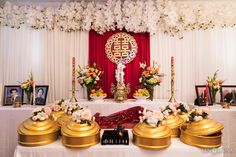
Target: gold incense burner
{"x": 150, "y": 137}
{"x": 204, "y": 134}
{"x": 120, "y": 92}
{"x": 76, "y": 135}
{"x": 174, "y": 122}
{"x": 37, "y": 133}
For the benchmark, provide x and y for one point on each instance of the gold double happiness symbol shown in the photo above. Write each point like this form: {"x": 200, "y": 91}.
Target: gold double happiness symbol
{"x": 121, "y": 47}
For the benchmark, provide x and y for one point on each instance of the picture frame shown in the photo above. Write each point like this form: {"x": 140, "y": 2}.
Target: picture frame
{"x": 228, "y": 94}
{"x": 201, "y": 98}
{"x": 12, "y": 93}
{"x": 41, "y": 92}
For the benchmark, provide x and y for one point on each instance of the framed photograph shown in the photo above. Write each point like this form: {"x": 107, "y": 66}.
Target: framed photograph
{"x": 41, "y": 95}
{"x": 12, "y": 93}
{"x": 201, "y": 95}
{"x": 228, "y": 94}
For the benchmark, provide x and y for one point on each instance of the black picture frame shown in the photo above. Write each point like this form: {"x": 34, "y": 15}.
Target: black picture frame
{"x": 41, "y": 98}
{"x": 228, "y": 94}
{"x": 200, "y": 90}
{"x": 8, "y": 99}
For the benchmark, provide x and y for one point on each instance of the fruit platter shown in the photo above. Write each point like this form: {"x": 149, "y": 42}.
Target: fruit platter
{"x": 98, "y": 95}
{"x": 141, "y": 94}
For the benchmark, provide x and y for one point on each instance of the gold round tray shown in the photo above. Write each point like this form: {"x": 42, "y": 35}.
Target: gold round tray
{"x": 75, "y": 135}
{"x": 149, "y": 137}
{"x": 184, "y": 116}
{"x": 57, "y": 114}
{"x": 202, "y": 141}
{"x": 174, "y": 122}
{"x": 37, "y": 133}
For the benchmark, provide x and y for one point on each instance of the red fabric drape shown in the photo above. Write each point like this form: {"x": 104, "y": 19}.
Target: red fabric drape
{"x": 132, "y": 70}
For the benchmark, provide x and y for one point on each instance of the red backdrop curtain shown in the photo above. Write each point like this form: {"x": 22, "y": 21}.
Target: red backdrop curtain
{"x": 132, "y": 70}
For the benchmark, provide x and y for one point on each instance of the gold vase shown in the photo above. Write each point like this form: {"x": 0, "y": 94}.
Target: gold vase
{"x": 174, "y": 122}
{"x": 204, "y": 134}
{"x": 63, "y": 119}
{"x": 37, "y": 133}
{"x": 75, "y": 135}
{"x": 150, "y": 137}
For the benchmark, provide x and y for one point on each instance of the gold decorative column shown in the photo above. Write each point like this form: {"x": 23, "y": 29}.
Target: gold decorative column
{"x": 172, "y": 98}
{"x": 73, "y": 99}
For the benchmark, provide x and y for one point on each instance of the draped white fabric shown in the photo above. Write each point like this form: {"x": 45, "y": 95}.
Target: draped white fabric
{"x": 48, "y": 55}
{"x": 198, "y": 55}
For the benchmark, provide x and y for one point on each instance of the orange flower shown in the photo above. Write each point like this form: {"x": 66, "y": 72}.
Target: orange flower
{"x": 210, "y": 84}
{"x": 156, "y": 71}
{"x": 94, "y": 75}
{"x": 87, "y": 74}
{"x": 221, "y": 82}
{"x": 148, "y": 68}
{"x": 92, "y": 69}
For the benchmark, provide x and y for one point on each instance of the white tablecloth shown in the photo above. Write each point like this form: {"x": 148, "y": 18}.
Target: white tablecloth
{"x": 56, "y": 149}
{"x": 12, "y": 117}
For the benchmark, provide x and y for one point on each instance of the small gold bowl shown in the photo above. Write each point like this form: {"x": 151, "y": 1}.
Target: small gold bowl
{"x": 75, "y": 135}
{"x": 149, "y": 137}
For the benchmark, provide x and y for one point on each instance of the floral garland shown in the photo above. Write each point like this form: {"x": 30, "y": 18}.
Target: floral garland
{"x": 70, "y": 107}
{"x": 135, "y": 16}
{"x": 83, "y": 116}
{"x": 152, "y": 118}
{"x": 198, "y": 114}
{"x": 41, "y": 114}
{"x": 175, "y": 108}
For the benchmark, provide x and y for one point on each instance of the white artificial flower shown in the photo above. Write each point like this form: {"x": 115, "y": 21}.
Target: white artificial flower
{"x": 142, "y": 65}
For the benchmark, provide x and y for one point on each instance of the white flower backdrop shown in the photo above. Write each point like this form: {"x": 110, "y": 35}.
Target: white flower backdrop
{"x": 151, "y": 16}
{"x": 39, "y": 45}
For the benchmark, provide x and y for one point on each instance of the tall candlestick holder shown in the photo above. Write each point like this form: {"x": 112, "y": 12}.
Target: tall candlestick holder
{"x": 172, "y": 97}
{"x": 73, "y": 98}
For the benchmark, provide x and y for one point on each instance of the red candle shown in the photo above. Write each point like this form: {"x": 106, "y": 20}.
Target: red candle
{"x": 207, "y": 93}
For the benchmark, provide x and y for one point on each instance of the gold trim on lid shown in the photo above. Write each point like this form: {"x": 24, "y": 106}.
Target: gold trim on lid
{"x": 150, "y": 137}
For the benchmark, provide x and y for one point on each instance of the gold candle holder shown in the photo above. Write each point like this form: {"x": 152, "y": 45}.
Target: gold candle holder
{"x": 73, "y": 98}
{"x": 172, "y": 97}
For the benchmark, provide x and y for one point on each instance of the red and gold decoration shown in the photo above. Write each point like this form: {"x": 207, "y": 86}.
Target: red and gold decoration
{"x": 39, "y": 129}
{"x": 81, "y": 131}
{"x": 172, "y": 97}
{"x": 151, "y": 133}
{"x": 201, "y": 132}
{"x": 121, "y": 47}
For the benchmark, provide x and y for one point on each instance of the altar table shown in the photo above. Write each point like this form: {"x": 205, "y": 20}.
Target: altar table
{"x": 12, "y": 117}
{"x": 56, "y": 149}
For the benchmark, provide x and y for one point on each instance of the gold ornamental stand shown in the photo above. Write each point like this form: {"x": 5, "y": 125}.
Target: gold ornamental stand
{"x": 73, "y": 98}
{"x": 172, "y": 97}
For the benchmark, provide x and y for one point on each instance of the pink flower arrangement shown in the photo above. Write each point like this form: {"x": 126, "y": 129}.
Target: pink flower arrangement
{"x": 83, "y": 116}
{"x": 41, "y": 114}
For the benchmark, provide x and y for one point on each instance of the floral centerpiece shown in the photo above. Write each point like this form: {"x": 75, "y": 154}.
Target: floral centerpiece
{"x": 83, "y": 116}
{"x": 41, "y": 114}
{"x": 28, "y": 87}
{"x": 198, "y": 114}
{"x": 153, "y": 118}
{"x": 214, "y": 85}
{"x": 150, "y": 77}
{"x": 89, "y": 77}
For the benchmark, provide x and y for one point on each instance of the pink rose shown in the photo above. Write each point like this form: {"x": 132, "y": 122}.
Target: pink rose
{"x": 47, "y": 110}
{"x": 86, "y": 115}
{"x": 56, "y": 107}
